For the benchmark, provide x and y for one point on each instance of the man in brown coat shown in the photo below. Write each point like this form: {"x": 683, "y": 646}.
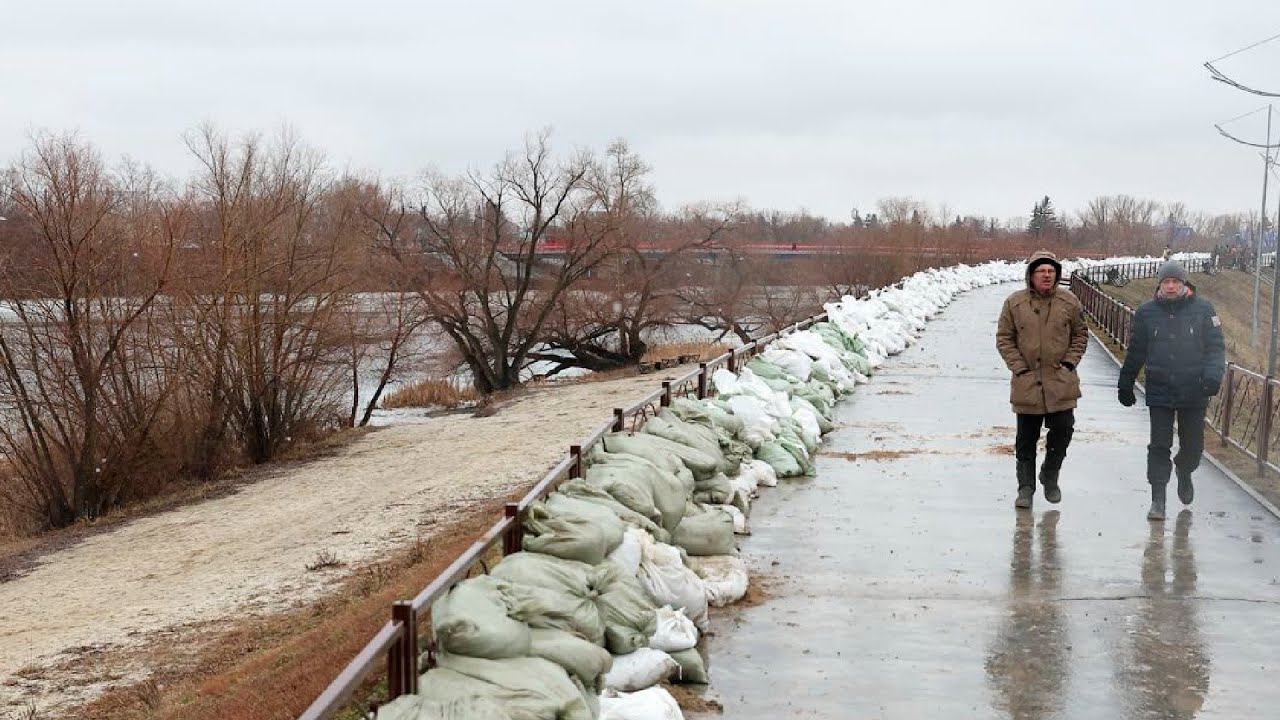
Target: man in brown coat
{"x": 1042, "y": 336}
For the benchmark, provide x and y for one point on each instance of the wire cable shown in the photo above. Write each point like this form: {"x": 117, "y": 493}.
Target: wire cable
{"x": 1237, "y": 52}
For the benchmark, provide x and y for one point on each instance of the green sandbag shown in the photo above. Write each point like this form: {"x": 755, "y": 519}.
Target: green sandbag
{"x": 693, "y": 671}
{"x": 545, "y": 571}
{"x": 714, "y": 491}
{"x": 654, "y": 448}
{"x": 579, "y": 497}
{"x": 629, "y": 612}
{"x": 824, "y": 425}
{"x": 789, "y": 437}
{"x": 667, "y": 490}
{"x": 529, "y": 688}
{"x": 472, "y": 619}
{"x": 570, "y": 536}
{"x": 705, "y": 531}
{"x": 417, "y": 707}
{"x": 543, "y": 608}
{"x": 767, "y": 370}
{"x": 784, "y": 464}
{"x": 581, "y": 659}
{"x": 668, "y": 425}
{"x": 693, "y": 410}
{"x": 626, "y": 486}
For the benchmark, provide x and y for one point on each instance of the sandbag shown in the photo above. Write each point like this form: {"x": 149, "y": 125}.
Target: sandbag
{"x": 472, "y": 619}
{"x": 628, "y": 611}
{"x": 724, "y": 577}
{"x": 764, "y": 474}
{"x": 705, "y": 531}
{"x": 675, "y": 631}
{"x": 638, "y": 670}
{"x": 666, "y": 490}
{"x": 549, "y": 609}
{"x": 627, "y": 554}
{"x": 529, "y": 688}
{"x": 702, "y": 464}
{"x": 569, "y": 535}
{"x": 577, "y": 496}
{"x": 417, "y": 707}
{"x": 784, "y": 464}
{"x": 668, "y": 425}
{"x": 693, "y": 670}
{"x": 581, "y": 659}
{"x": 669, "y": 582}
{"x": 544, "y": 571}
{"x": 739, "y": 518}
{"x": 627, "y": 486}
{"x": 653, "y": 703}
{"x": 714, "y": 490}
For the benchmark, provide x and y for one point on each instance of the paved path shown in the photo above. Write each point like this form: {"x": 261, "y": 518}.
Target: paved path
{"x": 904, "y": 584}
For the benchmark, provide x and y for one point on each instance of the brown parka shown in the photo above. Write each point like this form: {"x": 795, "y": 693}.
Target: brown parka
{"x": 1042, "y": 338}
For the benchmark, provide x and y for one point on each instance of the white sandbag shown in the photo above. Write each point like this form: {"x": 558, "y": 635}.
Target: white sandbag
{"x": 765, "y": 476}
{"x": 758, "y": 426}
{"x": 627, "y": 555}
{"x": 745, "y": 485}
{"x": 664, "y": 574}
{"x": 652, "y": 703}
{"x": 638, "y": 670}
{"x": 675, "y": 631}
{"x": 810, "y": 430}
{"x": 793, "y": 361}
{"x": 724, "y": 577}
{"x": 655, "y": 703}
{"x": 739, "y": 519}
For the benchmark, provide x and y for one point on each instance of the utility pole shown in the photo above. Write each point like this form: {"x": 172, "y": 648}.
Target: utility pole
{"x": 1262, "y": 224}
{"x": 1275, "y": 291}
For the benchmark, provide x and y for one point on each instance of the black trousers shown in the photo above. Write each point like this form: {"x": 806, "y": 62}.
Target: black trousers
{"x": 1190, "y": 421}
{"x": 1061, "y": 426}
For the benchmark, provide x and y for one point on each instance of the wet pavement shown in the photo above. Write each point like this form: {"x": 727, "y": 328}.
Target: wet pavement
{"x": 901, "y": 583}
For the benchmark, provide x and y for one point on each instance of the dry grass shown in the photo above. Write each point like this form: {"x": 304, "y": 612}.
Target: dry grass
{"x": 430, "y": 392}
{"x": 272, "y": 668}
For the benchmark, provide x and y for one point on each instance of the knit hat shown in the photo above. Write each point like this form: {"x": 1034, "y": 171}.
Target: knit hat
{"x": 1173, "y": 269}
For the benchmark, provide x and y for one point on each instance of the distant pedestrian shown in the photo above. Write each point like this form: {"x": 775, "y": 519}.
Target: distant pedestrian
{"x": 1041, "y": 335}
{"x": 1178, "y": 337}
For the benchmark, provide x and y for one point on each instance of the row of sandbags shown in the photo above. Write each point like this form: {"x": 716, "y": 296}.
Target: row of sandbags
{"x": 620, "y": 566}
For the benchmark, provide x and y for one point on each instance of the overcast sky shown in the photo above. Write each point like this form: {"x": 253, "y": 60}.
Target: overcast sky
{"x": 983, "y": 105}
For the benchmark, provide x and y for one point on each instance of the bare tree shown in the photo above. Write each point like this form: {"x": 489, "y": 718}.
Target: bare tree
{"x": 82, "y": 378}
{"x": 496, "y": 253}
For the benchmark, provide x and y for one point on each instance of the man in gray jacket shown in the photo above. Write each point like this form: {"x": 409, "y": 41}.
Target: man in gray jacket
{"x": 1178, "y": 337}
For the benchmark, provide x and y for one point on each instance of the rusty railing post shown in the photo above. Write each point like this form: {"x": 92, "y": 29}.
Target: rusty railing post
{"x": 702, "y": 381}
{"x": 402, "y": 658}
{"x": 1228, "y": 396}
{"x": 617, "y": 420}
{"x": 666, "y": 394}
{"x": 575, "y": 452}
{"x": 1264, "y": 424}
{"x": 513, "y": 538}
{"x": 732, "y": 363}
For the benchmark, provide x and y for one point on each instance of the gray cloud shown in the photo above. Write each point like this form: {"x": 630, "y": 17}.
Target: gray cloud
{"x": 983, "y": 106}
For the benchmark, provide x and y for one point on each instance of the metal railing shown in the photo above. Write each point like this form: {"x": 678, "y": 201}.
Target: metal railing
{"x": 1242, "y": 414}
{"x": 400, "y": 641}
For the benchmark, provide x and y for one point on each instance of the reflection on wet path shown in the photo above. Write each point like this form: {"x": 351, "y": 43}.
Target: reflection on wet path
{"x": 1028, "y": 663}
{"x": 1167, "y": 668}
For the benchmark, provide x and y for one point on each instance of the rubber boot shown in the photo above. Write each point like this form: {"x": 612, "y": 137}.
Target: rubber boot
{"x": 1186, "y": 491}
{"x": 1026, "y": 483}
{"x": 1157, "y": 503}
{"x": 1049, "y": 478}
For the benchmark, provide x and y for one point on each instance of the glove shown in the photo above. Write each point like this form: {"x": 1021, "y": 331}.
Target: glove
{"x": 1127, "y": 398}
{"x": 1210, "y": 386}
{"x": 1068, "y": 365}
